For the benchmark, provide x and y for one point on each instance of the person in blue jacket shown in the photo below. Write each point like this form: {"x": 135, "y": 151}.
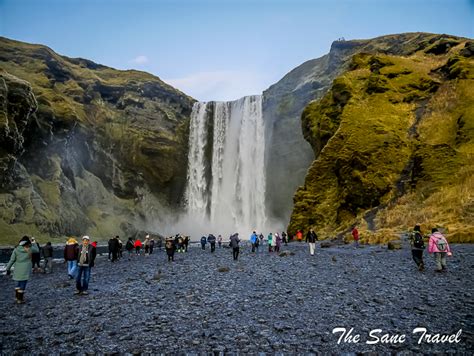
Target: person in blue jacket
{"x": 203, "y": 242}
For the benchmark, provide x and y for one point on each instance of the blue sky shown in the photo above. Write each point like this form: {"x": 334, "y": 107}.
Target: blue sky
{"x": 219, "y": 50}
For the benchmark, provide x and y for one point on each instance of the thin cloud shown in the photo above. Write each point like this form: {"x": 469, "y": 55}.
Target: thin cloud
{"x": 219, "y": 85}
{"x": 140, "y": 60}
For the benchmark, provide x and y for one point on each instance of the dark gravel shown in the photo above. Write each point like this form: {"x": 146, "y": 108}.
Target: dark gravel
{"x": 262, "y": 303}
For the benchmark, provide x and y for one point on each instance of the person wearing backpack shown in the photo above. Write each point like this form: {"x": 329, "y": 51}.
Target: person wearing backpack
{"x": 170, "y": 248}
{"x": 129, "y": 247}
{"x": 440, "y": 247}
{"x": 417, "y": 247}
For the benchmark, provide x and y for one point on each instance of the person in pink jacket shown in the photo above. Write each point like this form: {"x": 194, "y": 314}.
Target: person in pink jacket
{"x": 440, "y": 247}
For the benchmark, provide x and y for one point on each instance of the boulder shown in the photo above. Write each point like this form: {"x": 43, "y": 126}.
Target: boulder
{"x": 394, "y": 245}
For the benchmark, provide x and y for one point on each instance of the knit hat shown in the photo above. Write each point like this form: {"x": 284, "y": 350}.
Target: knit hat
{"x": 85, "y": 237}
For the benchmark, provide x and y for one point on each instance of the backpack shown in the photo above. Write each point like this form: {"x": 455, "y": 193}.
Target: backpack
{"x": 441, "y": 244}
{"x": 418, "y": 240}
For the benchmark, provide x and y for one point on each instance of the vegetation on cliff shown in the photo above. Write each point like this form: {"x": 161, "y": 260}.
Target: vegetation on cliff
{"x": 100, "y": 150}
{"x": 393, "y": 141}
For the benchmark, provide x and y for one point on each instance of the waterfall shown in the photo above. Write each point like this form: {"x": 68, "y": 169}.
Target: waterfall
{"x": 226, "y": 175}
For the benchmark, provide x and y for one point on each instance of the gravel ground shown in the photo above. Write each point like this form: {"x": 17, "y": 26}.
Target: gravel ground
{"x": 205, "y": 303}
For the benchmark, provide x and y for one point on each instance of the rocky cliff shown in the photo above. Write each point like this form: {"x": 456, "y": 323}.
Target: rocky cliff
{"x": 85, "y": 148}
{"x": 392, "y": 140}
{"x": 288, "y": 153}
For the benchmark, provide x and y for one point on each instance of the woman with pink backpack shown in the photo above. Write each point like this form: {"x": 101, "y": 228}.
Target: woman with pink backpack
{"x": 440, "y": 247}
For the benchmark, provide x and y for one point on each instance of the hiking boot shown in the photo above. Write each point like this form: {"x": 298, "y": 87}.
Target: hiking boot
{"x": 21, "y": 295}
{"x": 77, "y": 292}
{"x": 85, "y": 293}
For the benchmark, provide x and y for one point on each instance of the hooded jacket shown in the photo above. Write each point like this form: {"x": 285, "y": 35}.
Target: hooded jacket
{"x": 21, "y": 259}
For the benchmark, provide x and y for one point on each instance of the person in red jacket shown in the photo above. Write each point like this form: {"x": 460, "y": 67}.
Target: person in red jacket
{"x": 299, "y": 235}
{"x": 355, "y": 235}
{"x": 138, "y": 245}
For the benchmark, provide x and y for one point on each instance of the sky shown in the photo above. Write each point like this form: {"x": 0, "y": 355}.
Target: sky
{"x": 220, "y": 49}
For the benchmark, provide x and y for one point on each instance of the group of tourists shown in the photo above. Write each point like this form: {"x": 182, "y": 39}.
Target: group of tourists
{"x": 80, "y": 258}
{"x": 135, "y": 246}
{"x": 437, "y": 245}
{"x": 177, "y": 243}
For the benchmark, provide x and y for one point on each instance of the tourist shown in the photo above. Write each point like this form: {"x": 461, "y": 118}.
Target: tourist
{"x": 71, "y": 251}
{"x": 170, "y": 248}
{"x": 160, "y": 242}
{"x": 129, "y": 247}
{"x": 146, "y": 243}
{"x": 85, "y": 261}
{"x": 299, "y": 235}
{"x": 284, "y": 238}
{"x": 311, "y": 238}
{"x": 186, "y": 243}
{"x": 138, "y": 246}
{"x": 219, "y": 241}
{"x": 35, "y": 255}
{"x": 270, "y": 241}
{"x": 253, "y": 240}
{"x": 114, "y": 247}
{"x": 180, "y": 243}
{"x": 417, "y": 247}
{"x": 277, "y": 242}
{"x": 203, "y": 242}
{"x": 440, "y": 247}
{"x": 21, "y": 261}
{"x": 274, "y": 241}
{"x": 110, "y": 243}
{"x": 212, "y": 241}
{"x": 152, "y": 245}
{"x": 261, "y": 237}
{"x": 94, "y": 252}
{"x": 48, "y": 258}
{"x": 120, "y": 247}
{"x": 234, "y": 243}
{"x": 355, "y": 235}
{"x": 257, "y": 243}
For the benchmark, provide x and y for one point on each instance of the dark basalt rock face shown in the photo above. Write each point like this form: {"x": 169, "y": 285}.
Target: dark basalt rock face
{"x": 17, "y": 104}
{"x": 85, "y": 148}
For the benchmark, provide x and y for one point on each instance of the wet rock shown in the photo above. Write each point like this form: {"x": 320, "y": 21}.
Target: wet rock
{"x": 394, "y": 245}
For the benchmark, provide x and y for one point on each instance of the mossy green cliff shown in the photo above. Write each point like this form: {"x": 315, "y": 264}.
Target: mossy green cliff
{"x": 85, "y": 148}
{"x": 393, "y": 141}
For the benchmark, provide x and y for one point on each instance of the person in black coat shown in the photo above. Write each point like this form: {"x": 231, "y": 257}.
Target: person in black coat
{"x": 114, "y": 245}
{"x": 48, "y": 258}
{"x": 212, "y": 240}
{"x": 311, "y": 238}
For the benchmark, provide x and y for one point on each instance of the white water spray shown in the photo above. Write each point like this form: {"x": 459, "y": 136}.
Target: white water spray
{"x": 226, "y": 174}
